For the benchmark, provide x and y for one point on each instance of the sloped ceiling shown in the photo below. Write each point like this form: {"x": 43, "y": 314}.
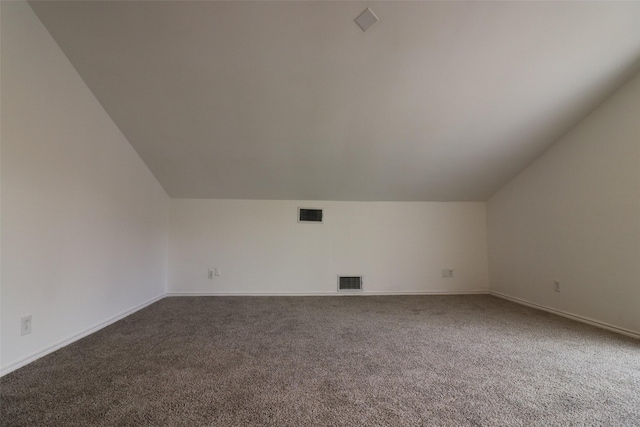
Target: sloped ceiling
{"x": 438, "y": 101}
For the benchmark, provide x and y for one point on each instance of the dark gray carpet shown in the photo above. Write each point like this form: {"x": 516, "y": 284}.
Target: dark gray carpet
{"x": 333, "y": 361}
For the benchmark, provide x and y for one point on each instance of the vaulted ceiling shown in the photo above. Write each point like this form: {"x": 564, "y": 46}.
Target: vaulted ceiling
{"x": 437, "y": 101}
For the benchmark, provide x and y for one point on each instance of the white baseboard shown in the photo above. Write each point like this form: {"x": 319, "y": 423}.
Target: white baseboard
{"x": 319, "y": 294}
{"x": 26, "y": 360}
{"x": 37, "y": 355}
{"x": 571, "y": 316}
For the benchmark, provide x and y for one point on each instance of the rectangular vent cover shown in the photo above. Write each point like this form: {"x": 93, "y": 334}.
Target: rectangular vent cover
{"x": 349, "y": 283}
{"x": 309, "y": 215}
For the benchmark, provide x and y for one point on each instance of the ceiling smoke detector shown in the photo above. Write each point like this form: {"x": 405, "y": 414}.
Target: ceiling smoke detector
{"x": 366, "y": 19}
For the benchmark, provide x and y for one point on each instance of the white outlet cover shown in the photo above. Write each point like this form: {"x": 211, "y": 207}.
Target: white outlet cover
{"x": 25, "y": 325}
{"x": 447, "y": 272}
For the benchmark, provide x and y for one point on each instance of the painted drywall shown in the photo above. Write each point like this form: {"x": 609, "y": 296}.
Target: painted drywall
{"x": 574, "y": 216}
{"x": 261, "y": 248}
{"x": 291, "y": 100}
{"x": 84, "y": 222}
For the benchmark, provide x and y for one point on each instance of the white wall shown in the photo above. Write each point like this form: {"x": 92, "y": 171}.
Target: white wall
{"x": 261, "y": 248}
{"x": 574, "y": 216}
{"x": 84, "y": 223}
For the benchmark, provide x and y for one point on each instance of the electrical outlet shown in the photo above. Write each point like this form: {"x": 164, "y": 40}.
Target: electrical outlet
{"x": 25, "y": 325}
{"x": 447, "y": 272}
{"x": 556, "y": 285}
{"x": 210, "y": 275}
{"x": 216, "y": 271}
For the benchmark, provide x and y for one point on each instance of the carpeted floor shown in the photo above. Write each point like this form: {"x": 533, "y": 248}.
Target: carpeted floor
{"x": 333, "y": 361}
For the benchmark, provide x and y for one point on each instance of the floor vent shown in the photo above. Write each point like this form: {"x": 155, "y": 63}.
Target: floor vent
{"x": 309, "y": 215}
{"x": 349, "y": 283}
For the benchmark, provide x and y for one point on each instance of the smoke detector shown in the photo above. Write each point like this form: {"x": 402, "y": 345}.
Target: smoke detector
{"x": 366, "y": 19}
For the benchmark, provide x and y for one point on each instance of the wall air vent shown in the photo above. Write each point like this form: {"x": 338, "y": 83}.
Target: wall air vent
{"x": 349, "y": 283}
{"x": 309, "y": 215}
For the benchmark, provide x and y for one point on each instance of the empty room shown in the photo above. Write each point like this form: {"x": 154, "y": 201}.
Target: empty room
{"x": 319, "y": 213}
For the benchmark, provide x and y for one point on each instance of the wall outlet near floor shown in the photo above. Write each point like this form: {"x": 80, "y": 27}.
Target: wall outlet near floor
{"x": 556, "y": 285}
{"x": 447, "y": 272}
{"x": 216, "y": 271}
{"x": 210, "y": 274}
{"x": 25, "y": 325}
